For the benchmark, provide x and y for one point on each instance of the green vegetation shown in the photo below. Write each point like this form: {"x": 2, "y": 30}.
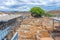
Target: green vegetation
{"x": 49, "y": 15}
{"x": 39, "y": 12}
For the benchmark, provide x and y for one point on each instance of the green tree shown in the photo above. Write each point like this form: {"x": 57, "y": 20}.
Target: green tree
{"x": 37, "y": 12}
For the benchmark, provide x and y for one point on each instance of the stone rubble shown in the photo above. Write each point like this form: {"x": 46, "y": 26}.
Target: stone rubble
{"x": 35, "y": 29}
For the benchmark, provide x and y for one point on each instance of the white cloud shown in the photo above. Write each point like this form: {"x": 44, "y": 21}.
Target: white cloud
{"x": 10, "y": 2}
{"x": 3, "y": 7}
{"x": 26, "y": 4}
{"x": 56, "y": 0}
{"x": 33, "y": 2}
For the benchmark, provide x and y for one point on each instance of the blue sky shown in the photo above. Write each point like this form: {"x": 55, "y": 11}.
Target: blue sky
{"x": 25, "y": 5}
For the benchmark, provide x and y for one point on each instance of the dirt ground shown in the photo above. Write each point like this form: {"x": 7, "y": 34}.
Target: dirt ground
{"x": 36, "y": 29}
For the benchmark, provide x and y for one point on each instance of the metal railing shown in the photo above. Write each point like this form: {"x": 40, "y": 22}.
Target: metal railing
{"x": 15, "y": 37}
{"x": 4, "y": 32}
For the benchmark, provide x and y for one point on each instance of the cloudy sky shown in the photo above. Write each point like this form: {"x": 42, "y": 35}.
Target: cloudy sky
{"x": 25, "y": 5}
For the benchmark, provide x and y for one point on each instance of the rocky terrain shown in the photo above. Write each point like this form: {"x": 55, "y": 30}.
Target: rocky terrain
{"x": 31, "y": 28}
{"x": 35, "y": 29}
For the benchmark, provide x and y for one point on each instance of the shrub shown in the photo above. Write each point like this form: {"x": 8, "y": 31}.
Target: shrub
{"x": 49, "y": 15}
{"x": 37, "y": 12}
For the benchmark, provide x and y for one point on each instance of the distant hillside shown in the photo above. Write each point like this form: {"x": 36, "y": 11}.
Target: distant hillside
{"x": 54, "y": 12}
{"x": 15, "y": 12}
{"x": 20, "y": 13}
